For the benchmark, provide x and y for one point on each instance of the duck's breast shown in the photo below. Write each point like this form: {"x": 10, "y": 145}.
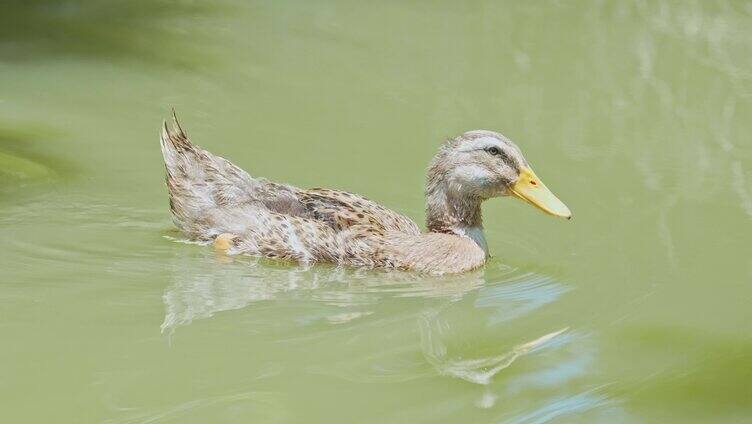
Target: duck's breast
{"x": 434, "y": 253}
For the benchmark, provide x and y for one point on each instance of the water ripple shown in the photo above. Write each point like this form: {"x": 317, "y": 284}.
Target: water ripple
{"x": 267, "y": 404}
{"x": 519, "y": 296}
{"x": 481, "y": 370}
{"x": 560, "y": 406}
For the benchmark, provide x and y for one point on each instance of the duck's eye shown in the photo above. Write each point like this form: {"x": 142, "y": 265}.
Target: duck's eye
{"x": 494, "y": 151}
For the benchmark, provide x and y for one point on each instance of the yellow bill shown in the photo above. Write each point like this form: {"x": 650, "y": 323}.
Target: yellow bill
{"x": 532, "y": 190}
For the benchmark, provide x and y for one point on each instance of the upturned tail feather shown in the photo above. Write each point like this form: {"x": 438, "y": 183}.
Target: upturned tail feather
{"x": 210, "y": 196}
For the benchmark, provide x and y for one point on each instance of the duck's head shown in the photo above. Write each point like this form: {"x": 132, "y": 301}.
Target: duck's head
{"x": 479, "y": 165}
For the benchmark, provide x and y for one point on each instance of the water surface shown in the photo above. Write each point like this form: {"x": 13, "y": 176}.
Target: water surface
{"x": 635, "y": 113}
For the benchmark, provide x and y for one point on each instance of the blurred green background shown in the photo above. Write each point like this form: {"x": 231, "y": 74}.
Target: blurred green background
{"x": 635, "y": 113}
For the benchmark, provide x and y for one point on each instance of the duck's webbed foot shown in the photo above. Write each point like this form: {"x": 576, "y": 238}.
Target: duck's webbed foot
{"x": 225, "y": 241}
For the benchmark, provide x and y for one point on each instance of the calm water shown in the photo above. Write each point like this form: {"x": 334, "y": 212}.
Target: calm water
{"x": 637, "y": 114}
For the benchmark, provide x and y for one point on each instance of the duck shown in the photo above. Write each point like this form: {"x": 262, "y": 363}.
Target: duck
{"x": 213, "y": 201}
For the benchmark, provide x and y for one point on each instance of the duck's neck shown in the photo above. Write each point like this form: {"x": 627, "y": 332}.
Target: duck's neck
{"x": 448, "y": 212}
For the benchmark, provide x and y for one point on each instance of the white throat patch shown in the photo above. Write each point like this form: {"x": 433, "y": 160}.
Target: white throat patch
{"x": 476, "y": 234}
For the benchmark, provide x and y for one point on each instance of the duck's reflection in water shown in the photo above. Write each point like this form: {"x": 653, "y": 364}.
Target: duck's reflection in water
{"x": 395, "y": 327}
{"x": 201, "y": 290}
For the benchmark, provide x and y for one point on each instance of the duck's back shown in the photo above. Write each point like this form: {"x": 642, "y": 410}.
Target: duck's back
{"x": 342, "y": 210}
{"x": 210, "y": 196}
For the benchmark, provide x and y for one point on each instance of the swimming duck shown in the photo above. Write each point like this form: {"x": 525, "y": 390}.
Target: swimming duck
{"x": 214, "y": 201}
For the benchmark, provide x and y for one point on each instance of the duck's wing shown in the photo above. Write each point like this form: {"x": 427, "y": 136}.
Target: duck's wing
{"x": 342, "y": 210}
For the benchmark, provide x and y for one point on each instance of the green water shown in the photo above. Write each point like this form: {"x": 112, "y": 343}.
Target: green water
{"x": 636, "y": 114}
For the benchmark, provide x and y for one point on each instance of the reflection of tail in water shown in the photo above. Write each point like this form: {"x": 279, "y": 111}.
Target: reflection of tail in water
{"x": 203, "y": 287}
{"x": 479, "y": 371}
{"x": 201, "y": 290}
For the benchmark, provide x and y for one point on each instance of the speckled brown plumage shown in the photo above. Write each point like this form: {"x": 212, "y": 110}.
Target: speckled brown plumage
{"x": 211, "y": 199}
